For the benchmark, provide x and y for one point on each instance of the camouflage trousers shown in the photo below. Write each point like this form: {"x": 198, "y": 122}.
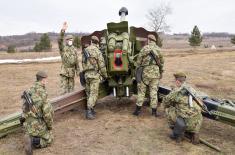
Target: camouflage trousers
{"x": 45, "y": 135}
{"x": 171, "y": 116}
{"x": 193, "y": 124}
{"x": 153, "y": 88}
{"x": 92, "y": 91}
{"x": 67, "y": 84}
{"x": 46, "y": 139}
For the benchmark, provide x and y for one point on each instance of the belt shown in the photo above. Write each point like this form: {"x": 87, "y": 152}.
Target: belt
{"x": 89, "y": 70}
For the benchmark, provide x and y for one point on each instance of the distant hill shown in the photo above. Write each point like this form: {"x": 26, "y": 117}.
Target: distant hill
{"x": 207, "y": 34}
{"x": 218, "y": 34}
{"x": 219, "y": 39}
{"x": 27, "y": 41}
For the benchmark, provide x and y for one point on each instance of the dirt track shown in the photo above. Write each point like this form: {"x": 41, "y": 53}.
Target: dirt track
{"x": 116, "y": 131}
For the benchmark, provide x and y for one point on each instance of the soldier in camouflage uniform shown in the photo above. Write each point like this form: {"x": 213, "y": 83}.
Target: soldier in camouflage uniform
{"x": 151, "y": 75}
{"x": 94, "y": 69}
{"x": 69, "y": 58}
{"x": 38, "y": 120}
{"x": 182, "y": 115}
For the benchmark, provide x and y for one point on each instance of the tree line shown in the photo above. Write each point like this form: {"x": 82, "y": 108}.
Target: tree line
{"x": 156, "y": 22}
{"x": 44, "y": 44}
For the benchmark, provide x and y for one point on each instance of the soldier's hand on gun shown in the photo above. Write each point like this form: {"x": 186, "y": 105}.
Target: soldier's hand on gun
{"x": 65, "y": 26}
{"x": 22, "y": 120}
{"x": 49, "y": 127}
{"x": 131, "y": 59}
{"x": 105, "y": 76}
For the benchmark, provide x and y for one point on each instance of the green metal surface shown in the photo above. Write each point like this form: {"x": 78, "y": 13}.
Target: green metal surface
{"x": 121, "y": 27}
{"x": 10, "y": 124}
{"x": 118, "y": 70}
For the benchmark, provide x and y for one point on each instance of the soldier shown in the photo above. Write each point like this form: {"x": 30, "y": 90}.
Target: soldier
{"x": 37, "y": 119}
{"x": 70, "y": 64}
{"x": 94, "y": 69}
{"x": 183, "y": 113}
{"x": 152, "y": 62}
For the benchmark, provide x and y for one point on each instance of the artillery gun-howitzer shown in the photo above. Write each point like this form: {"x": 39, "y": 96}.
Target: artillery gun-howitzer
{"x": 119, "y": 46}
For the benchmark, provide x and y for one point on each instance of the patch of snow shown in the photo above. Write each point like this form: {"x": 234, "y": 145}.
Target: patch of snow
{"x": 213, "y": 47}
{"x": 16, "y": 61}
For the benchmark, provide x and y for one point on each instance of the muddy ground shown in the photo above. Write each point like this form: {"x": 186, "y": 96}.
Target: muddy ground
{"x": 116, "y": 131}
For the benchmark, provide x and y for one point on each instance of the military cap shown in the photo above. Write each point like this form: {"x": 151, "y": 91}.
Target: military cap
{"x": 95, "y": 38}
{"x": 41, "y": 74}
{"x": 180, "y": 75}
{"x": 152, "y": 37}
{"x": 69, "y": 37}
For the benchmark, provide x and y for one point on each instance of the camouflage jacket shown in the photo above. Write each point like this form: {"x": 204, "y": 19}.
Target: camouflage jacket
{"x": 69, "y": 58}
{"x": 94, "y": 66}
{"x": 151, "y": 69}
{"x": 178, "y": 98}
{"x": 37, "y": 123}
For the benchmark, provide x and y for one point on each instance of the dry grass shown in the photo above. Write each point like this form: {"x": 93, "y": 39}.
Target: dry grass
{"x": 116, "y": 131}
{"x": 212, "y": 72}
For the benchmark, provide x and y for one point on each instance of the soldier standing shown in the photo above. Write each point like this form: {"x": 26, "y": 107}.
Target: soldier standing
{"x": 94, "y": 69}
{"x": 183, "y": 113}
{"x": 69, "y": 58}
{"x": 152, "y": 62}
{"x": 38, "y": 116}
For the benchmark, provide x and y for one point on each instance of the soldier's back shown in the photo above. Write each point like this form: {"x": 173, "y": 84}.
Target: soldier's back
{"x": 93, "y": 50}
{"x": 151, "y": 70}
{"x": 38, "y": 92}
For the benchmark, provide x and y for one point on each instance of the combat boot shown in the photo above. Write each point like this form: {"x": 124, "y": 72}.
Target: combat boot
{"x": 137, "y": 111}
{"x": 179, "y": 129}
{"x": 154, "y": 112}
{"x": 177, "y": 138}
{"x": 36, "y": 142}
{"x": 28, "y": 145}
{"x": 93, "y": 111}
{"x": 195, "y": 138}
{"x": 89, "y": 114}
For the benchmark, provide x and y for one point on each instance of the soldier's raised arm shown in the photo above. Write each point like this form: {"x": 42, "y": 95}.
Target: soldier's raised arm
{"x": 61, "y": 38}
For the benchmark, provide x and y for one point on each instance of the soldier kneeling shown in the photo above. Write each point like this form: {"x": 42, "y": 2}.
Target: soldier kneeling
{"x": 37, "y": 115}
{"x": 183, "y": 113}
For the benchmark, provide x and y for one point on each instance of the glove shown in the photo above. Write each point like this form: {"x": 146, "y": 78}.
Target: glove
{"x": 131, "y": 59}
{"x": 49, "y": 127}
{"x": 22, "y": 120}
{"x": 106, "y": 76}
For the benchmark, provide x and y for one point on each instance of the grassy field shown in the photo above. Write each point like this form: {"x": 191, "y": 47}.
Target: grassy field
{"x": 116, "y": 131}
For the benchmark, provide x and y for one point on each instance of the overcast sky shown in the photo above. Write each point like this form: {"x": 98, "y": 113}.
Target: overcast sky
{"x": 23, "y": 16}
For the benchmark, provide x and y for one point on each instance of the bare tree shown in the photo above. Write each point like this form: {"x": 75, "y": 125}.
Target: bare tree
{"x": 157, "y": 18}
